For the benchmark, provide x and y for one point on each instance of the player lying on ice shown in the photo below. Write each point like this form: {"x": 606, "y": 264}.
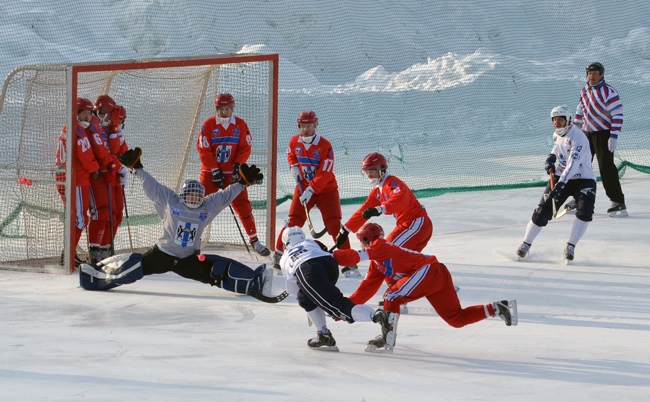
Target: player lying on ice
{"x": 412, "y": 276}
{"x": 184, "y": 217}
{"x": 311, "y": 274}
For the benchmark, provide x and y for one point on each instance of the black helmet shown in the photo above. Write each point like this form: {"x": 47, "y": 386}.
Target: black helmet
{"x": 596, "y": 67}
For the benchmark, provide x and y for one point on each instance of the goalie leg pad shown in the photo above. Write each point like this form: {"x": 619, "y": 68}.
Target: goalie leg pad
{"x": 117, "y": 270}
{"x": 235, "y": 276}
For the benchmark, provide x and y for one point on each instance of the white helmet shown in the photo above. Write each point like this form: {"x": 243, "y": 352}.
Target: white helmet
{"x": 194, "y": 188}
{"x": 562, "y": 111}
{"x": 292, "y": 235}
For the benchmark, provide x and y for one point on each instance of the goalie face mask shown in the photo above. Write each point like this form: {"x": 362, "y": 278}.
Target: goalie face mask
{"x": 192, "y": 194}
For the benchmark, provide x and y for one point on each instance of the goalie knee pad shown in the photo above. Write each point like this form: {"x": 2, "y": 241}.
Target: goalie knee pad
{"x": 117, "y": 270}
{"x": 235, "y": 276}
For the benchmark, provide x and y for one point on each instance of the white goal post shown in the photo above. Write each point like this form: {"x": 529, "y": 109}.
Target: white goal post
{"x": 166, "y": 101}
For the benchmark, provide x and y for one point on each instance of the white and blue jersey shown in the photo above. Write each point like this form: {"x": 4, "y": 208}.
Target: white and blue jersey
{"x": 183, "y": 226}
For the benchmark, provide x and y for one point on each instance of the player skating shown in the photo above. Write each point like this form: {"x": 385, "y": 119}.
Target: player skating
{"x": 390, "y": 196}
{"x": 225, "y": 143}
{"x": 311, "y": 274}
{"x": 311, "y": 160}
{"x": 572, "y": 177}
{"x": 412, "y": 276}
{"x": 185, "y": 216}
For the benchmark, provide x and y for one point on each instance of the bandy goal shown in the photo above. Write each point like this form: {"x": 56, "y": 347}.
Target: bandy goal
{"x": 166, "y": 101}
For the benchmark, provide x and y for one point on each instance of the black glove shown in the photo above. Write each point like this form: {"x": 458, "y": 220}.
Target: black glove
{"x": 556, "y": 193}
{"x": 342, "y": 237}
{"x": 235, "y": 173}
{"x": 550, "y": 163}
{"x": 131, "y": 158}
{"x": 370, "y": 212}
{"x": 250, "y": 175}
{"x": 217, "y": 177}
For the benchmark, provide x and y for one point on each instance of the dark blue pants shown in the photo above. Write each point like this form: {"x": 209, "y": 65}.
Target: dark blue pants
{"x": 317, "y": 282}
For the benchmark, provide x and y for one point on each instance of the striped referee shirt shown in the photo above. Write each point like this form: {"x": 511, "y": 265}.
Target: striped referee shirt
{"x": 600, "y": 109}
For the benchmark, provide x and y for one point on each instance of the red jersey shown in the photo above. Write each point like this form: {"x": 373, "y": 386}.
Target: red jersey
{"x": 316, "y": 162}
{"x": 87, "y": 163}
{"x": 221, "y": 147}
{"x": 395, "y": 198}
{"x": 99, "y": 143}
{"x": 388, "y": 260}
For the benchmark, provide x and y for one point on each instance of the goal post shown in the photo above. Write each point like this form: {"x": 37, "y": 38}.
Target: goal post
{"x": 166, "y": 101}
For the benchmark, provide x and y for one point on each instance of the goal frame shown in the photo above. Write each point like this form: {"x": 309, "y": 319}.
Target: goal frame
{"x": 73, "y": 72}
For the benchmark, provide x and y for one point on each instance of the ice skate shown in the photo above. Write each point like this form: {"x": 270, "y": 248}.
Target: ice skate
{"x": 324, "y": 342}
{"x": 506, "y": 310}
{"x": 385, "y": 342}
{"x": 351, "y": 272}
{"x": 569, "y": 252}
{"x": 403, "y": 308}
{"x": 276, "y": 263}
{"x": 260, "y": 248}
{"x": 522, "y": 251}
{"x": 617, "y": 209}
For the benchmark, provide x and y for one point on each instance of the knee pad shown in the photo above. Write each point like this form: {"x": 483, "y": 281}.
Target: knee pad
{"x": 235, "y": 276}
{"x": 117, "y": 270}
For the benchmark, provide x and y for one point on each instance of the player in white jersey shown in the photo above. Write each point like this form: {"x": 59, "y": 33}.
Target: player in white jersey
{"x": 311, "y": 274}
{"x": 185, "y": 216}
{"x": 573, "y": 177}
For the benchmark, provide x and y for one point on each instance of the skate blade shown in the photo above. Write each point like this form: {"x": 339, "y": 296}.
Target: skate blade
{"x": 375, "y": 349}
{"x": 512, "y": 305}
{"x": 617, "y": 214}
{"x": 326, "y": 348}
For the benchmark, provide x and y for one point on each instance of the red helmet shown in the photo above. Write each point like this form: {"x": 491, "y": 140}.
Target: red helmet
{"x": 374, "y": 160}
{"x": 84, "y": 104}
{"x": 122, "y": 112}
{"x": 370, "y": 232}
{"x": 105, "y": 102}
{"x": 224, "y": 99}
{"x": 307, "y": 117}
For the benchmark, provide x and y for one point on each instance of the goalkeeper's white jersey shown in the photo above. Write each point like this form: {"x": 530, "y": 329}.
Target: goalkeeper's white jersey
{"x": 296, "y": 255}
{"x": 183, "y": 226}
{"x": 574, "y": 156}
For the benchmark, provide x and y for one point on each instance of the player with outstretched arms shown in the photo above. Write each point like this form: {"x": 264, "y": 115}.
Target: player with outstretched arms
{"x": 411, "y": 276}
{"x": 573, "y": 176}
{"x": 184, "y": 218}
{"x": 224, "y": 143}
{"x": 311, "y": 161}
{"x": 311, "y": 274}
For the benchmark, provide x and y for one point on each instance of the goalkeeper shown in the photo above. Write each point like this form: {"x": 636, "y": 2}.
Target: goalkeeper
{"x": 185, "y": 216}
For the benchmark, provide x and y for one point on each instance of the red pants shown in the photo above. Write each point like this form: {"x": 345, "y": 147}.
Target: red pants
{"x": 108, "y": 202}
{"x": 414, "y": 236}
{"x": 329, "y": 205}
{"x": 433, "y": 282}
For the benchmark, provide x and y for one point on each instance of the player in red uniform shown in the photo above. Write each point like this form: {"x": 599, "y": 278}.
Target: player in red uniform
{"x": 86, "y": 167}
{"x": 311, "y": 159}
{"x": 99, "y": 230}
{"x": 411, "y": 275}
{"x": 392, "y": 196}
{"x": 224, "y": 144}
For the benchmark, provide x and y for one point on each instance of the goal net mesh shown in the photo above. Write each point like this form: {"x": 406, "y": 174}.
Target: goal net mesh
{"x": 165, "y": 106}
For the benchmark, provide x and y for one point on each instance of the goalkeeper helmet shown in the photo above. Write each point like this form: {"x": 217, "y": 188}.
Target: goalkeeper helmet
{"x": 562, "y": 111}
{"x": 224, "y": 99}
{"x": 192, "y": 194}
{"x": 292, "y": 235}
{"x": 370, "y": 232}
{"x": 374, "y": 167}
